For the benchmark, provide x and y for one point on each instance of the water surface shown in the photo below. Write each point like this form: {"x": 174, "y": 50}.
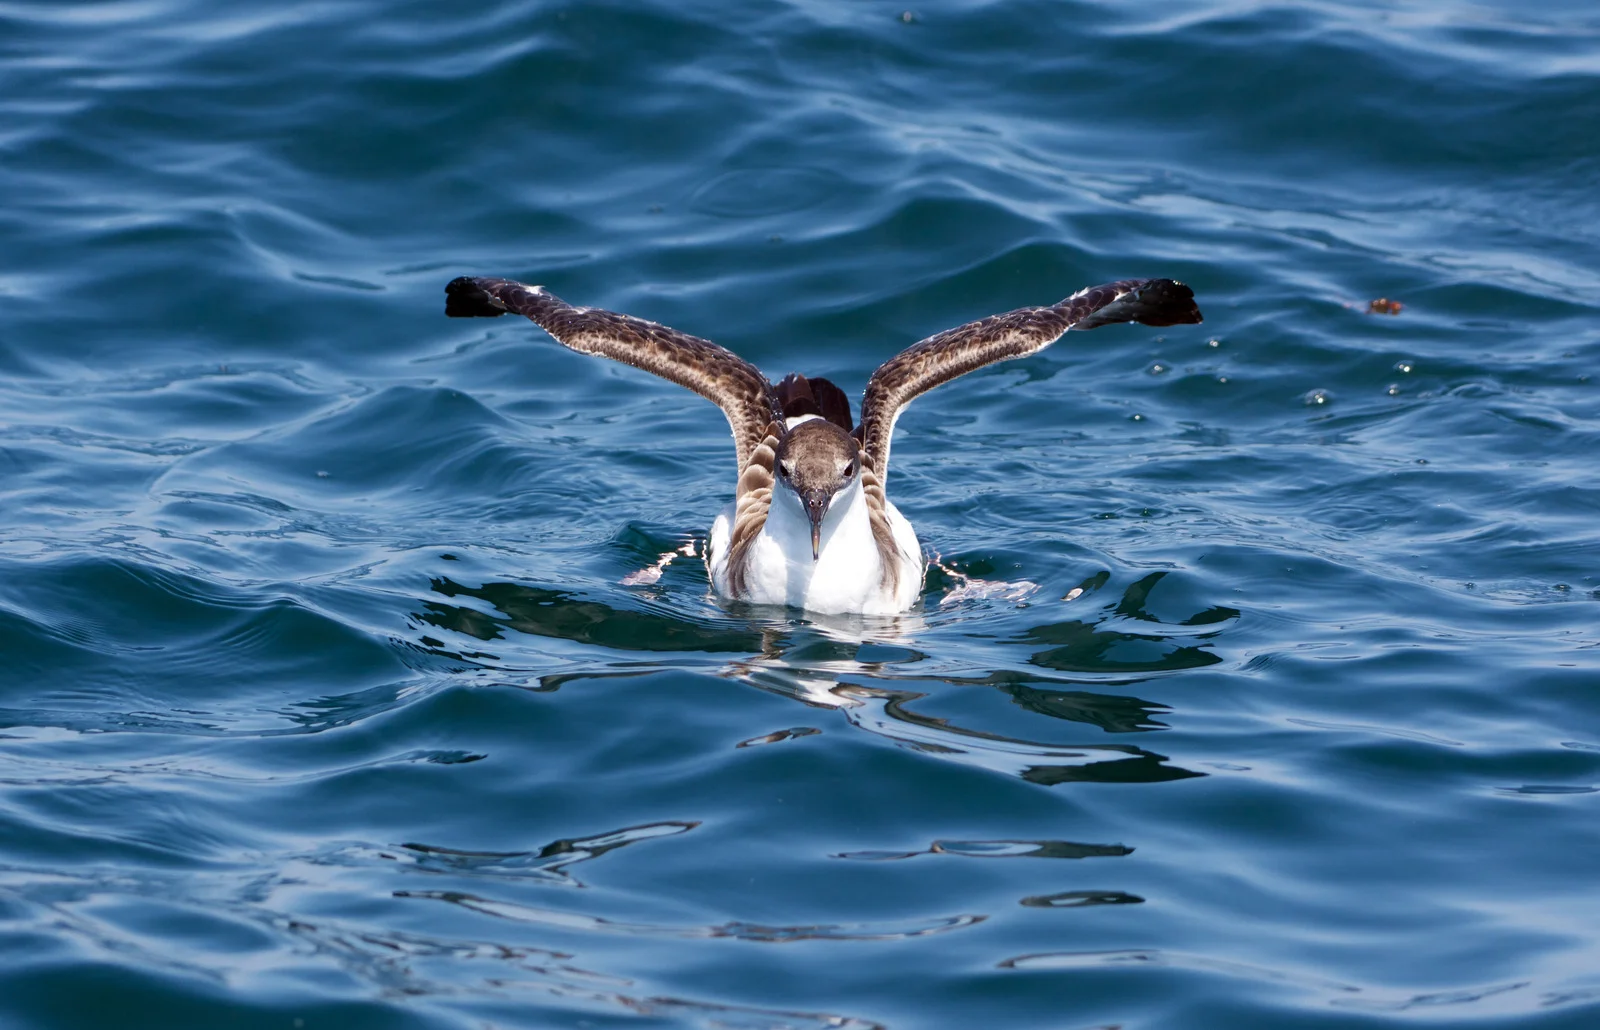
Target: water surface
{"x": 1258, "y": 685}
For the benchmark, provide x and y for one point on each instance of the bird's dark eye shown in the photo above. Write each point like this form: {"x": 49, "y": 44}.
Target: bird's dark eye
{"x": 850, "y": 471}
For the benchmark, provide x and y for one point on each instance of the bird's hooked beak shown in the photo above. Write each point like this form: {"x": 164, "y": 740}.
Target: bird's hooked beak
{"x": 816, "y": 502}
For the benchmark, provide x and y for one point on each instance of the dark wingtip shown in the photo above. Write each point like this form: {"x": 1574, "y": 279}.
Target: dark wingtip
{"x": 1166, "y": 302}
{"x": 1149, "y": 301}
{"x": 464, "y": 298}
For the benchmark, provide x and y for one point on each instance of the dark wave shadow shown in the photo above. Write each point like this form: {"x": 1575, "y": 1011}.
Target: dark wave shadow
{"x": 1080, "y": 646}
{"x": 998, "y": 849}
{"x": 759, "y": 933}
{"x": 1040, "y": 694}
{"x": 550, "y": 863}
{"x": 886, "y": 713}
{"x": 419, "y": 966}
{"x": 564, "y": 615}
{"x": 1081, "y": 899}
{"x": 1114, "y": 713}
{"x": 1147, "y": 767}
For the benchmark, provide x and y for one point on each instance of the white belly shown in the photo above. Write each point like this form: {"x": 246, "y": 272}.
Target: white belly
{"x": 847, "y": 575}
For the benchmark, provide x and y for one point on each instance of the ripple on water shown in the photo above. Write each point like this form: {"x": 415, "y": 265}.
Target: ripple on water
{"x": 103, "y": 645}
{"x": 758, "y": 192}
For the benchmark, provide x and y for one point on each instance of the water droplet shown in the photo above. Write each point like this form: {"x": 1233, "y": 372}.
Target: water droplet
{"x": 1222, "y": 379}
{"x": 907, "y": 17}
{"x": 1213, "y": 343}
{"x": 1563, "y": 587}
{"x": 321, "y": 474}
{"x": 1135, "y": 418}
{"x": 1403, "y": 366}
{"x": 1422, "y": 461}
{"x": 1316, "y": 398}
{"x": 1393, "y": 390}
{"x": 1156, "y": 368}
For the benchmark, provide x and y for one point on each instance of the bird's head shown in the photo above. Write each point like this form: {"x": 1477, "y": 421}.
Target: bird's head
{"x": 818, "y": 461}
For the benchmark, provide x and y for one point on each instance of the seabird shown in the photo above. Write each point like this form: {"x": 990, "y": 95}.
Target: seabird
{"x": 810, "y": 524}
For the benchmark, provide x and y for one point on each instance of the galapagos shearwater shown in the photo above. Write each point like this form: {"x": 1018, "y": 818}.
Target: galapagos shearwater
{"x": 811, "y": 524}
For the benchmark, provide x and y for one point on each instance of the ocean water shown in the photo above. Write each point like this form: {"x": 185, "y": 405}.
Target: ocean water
{"x": 1259, "y": 685}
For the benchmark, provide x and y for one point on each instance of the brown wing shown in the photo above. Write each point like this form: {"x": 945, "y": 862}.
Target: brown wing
{"x": 714, "y": 372}
{"x": 955, "y": 352}
{"x": 752, "y": 506}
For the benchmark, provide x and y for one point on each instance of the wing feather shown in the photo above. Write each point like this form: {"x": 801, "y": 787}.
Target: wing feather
{"x": 1015, "y": 334}
{"x": 713, "y": 372}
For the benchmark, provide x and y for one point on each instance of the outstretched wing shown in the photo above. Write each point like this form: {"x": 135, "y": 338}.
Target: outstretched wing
{"x": 715, "y": 373}
{"x": 1015, "y": 334}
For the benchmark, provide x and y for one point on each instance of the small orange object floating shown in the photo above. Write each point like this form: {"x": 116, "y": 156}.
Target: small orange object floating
{"x": 1384, "y": 306}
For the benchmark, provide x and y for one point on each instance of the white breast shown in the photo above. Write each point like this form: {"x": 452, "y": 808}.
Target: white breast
{"x": 847, "y": 576}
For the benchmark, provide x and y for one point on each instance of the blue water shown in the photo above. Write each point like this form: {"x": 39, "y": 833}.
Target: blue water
{"x": 322, "y": 703}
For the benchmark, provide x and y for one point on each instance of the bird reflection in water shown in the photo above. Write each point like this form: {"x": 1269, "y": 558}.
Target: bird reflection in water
{"x": 1074, "y": 674}
{"x": 887, "y": 713}
{"x": 828, "y": 665}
